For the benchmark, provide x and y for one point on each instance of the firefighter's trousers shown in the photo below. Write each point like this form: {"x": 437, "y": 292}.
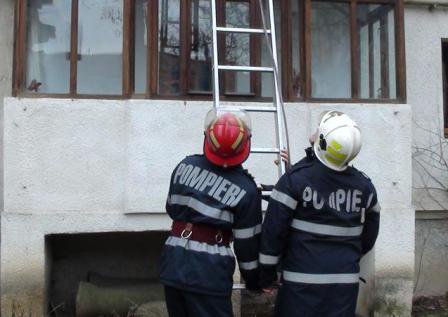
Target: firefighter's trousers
{"x": 337, "y": 300}
{"x": 182, "y": 303}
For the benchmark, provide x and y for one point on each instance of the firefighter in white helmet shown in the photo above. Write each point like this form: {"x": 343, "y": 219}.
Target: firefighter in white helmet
{"x": 323, "y": 216}
{"x": 338, "y": 140}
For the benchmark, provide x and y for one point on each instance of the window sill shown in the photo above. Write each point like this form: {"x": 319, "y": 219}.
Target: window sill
{"x": 207, "y": 97}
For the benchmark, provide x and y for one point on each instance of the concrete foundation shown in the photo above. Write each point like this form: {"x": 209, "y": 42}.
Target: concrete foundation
{"x": 431, "y": 254}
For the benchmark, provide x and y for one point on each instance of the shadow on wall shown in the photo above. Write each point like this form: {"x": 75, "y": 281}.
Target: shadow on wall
{"x": 109, "y": 274}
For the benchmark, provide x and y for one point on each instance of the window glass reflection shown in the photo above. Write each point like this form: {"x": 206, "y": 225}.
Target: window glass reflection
{"x": 48, "y": 46}
{"x": 237, "y": 50}
{"x": 377, "y": 51}
{"x": 100, "y": 47}
{"x": 169, "y": 47}
{"x": 201, "y": 47}
{"x": 141, "y": 45}
{"x": 330, "y": 58}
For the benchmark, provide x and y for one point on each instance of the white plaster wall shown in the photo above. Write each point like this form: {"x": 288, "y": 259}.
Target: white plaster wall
{"x": 97, "y": 165}
{"x": 425, "y": 30}
{"x": 431, "y": 253}
{"x": 6, "y": 62}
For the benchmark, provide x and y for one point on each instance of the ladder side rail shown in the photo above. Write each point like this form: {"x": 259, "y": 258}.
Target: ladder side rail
{"x": 215, "y": 56}
{"x": 272, "y": 48}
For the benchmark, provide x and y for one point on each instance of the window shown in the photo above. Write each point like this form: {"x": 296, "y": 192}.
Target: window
{"x": 345, "y": 50}
{"x": 445, "y": 84}
{"x": 48, "y": 47}
{"x": 330, "y": 51}
{"x": 377, "y": 51}
{"x": 100, "y": 47}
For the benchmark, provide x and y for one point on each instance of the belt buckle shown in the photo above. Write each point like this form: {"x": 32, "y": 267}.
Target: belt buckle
{"x": 188, "y": 231}
{"x": 219, "y": 237}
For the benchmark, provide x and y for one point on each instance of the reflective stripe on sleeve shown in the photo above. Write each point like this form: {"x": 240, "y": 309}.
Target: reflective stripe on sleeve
{"x": 268, "y": 259}
{"x": 326, "y": 229}
{"x": 376, "y": 208}
{"x": 246, "y": 233}
{"x": 284, "y": 199}
{"x": 320, "y": 278}
{"x": 248, "y": 265}
{"x": 200, "y": 207}
{"x": 199, "y": 246}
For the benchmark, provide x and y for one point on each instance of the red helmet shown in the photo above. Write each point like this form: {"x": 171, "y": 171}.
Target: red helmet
{"x": 227, "y": 138}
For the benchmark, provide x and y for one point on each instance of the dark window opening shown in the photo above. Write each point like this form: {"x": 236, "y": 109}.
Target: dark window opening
{"x": 104, "y": 274}
{"x": 445, "y": 84}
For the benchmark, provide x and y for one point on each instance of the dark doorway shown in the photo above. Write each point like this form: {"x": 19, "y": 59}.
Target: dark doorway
{"x": 105, "y": 265}
{"x": 445, "y": 83}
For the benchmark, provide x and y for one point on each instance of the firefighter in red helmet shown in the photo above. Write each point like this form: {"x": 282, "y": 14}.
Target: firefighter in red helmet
{"x": 227, "y": 139}
{"x": 212, "y": 201}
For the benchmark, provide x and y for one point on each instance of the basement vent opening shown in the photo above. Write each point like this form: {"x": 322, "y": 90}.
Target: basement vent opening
{"x": 104, "y": 274}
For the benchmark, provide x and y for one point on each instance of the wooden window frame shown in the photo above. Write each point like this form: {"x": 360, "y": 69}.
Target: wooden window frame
{"x": 20, "y": 59}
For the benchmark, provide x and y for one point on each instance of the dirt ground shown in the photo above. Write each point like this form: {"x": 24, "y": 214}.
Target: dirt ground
{"x": 262, "y": 306}
{"x": 435, "y": 306}
{"x": 257, "y": 305}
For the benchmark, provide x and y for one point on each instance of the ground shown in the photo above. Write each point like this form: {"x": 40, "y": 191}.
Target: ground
{"x": 257, "y": 305}
{"x": 434, "y": 306}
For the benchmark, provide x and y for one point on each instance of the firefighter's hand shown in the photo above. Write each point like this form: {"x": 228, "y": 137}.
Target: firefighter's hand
{"x": 269, "y": 291}
{"x": 284, "y": 154}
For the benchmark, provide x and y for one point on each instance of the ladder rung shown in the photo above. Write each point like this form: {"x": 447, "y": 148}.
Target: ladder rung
{"x": 259, "y": 108}
{"x": 245, "y": 68}
{"x": 265, "y": 150}
{"x": 241, "y": 30}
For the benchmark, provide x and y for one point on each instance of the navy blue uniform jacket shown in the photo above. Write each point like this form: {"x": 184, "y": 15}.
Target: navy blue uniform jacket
{"x": 224, "y": 198}
{"x": 319, "y": 223}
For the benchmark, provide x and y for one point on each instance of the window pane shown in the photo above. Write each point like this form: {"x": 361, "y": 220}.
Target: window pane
{"x": 267, "y": 80}
{"x": 237, "y": 14}
{"x": 445, "y": 83}
{"x": 201, "y": 46}
{"x": 296, "y": 19}
{"x": 48, "y": 46}
{"x": 377, "y": 51}
{"x": 237, "y": 48}
{"x": 141, "y": 45}
{"x": 169, "y": 47}
{"x": 330, "y": 59}
{"x": 391, "y": 54}
{"x": 100, "y": 46}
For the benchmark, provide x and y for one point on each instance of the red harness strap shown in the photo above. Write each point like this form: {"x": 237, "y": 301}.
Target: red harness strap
{"x": 201, "y": 233}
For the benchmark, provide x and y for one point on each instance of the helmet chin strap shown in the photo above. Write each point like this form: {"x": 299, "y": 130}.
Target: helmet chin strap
{"x": 322, "y": 142}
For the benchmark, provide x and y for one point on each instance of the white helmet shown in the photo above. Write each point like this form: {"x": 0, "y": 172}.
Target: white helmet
{"x": 338, "y": 140}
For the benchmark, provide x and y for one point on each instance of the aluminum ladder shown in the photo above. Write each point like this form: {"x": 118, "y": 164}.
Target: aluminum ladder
{"x": 277, "y": 108}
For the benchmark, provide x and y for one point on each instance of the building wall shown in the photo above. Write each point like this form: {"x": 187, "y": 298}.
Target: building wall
{"x": 425, "y": 30}
{"x": 6, "y": 63}
{"x": 431, "y": 253}
{"x": 78, "y": 166}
